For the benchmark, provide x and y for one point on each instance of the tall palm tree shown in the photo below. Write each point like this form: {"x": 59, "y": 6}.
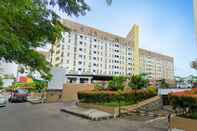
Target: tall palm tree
{"x": 138, "y": 81}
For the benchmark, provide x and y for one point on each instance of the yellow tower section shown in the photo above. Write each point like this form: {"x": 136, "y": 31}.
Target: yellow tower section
{"x": 133, "y": 38}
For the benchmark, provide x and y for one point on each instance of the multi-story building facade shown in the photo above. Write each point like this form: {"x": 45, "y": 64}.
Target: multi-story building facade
{"x": 86, "y": 51}
{"x": 156, "y": 66}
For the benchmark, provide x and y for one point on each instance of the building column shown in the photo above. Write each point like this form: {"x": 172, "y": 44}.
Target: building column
{"x": 78, "y": 80}
{"x": 66, "y": 80}
{"x": 90, "y": 80}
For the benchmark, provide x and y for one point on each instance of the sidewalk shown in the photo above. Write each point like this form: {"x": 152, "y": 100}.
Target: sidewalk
{"x": 91, "y": 114}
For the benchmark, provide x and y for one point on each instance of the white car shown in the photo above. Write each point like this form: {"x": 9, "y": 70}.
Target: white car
{"x": 3, "y": 100}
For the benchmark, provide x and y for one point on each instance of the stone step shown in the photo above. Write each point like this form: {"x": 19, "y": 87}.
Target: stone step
{"x": 91, "y": 114}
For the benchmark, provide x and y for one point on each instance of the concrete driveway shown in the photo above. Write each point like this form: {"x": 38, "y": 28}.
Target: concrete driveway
{"x": 47, "y": 117}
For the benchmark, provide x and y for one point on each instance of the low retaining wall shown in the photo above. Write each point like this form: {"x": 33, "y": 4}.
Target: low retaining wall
{"x": 184, "y": 123}
{"x": 150, "y": 104}
{"x": 70, "y": 91}
{"x": 112, "y": 110}
{"x": 54, "y": 96}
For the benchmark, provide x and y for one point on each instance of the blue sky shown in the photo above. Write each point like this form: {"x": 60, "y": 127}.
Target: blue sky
{"x": 166, "y": 26}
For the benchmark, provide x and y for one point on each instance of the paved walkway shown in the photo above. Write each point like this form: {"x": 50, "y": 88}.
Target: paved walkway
{"x": 47, "y": 117}
{"x": 92, "y": 114}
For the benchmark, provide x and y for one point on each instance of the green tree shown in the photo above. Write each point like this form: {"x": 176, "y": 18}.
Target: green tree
{"x": 138, "y": 81}
{"x": 163, "y": 84}
{"x": 28, "y": 24}
{"x": 194, "y": 64}
{"x": 1, "y": 82}
{"x": 117, "y": 83}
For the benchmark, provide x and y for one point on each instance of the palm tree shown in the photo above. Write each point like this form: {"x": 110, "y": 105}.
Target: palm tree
{"x": 138, "y": 82}
{"x": 117, "y": 83}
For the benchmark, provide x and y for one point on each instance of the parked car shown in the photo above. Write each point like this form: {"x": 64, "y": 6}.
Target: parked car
{"x": 3, "y": 100}
{"x": 19, "y": 95}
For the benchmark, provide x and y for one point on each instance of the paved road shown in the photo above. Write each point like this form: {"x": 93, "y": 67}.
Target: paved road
{"x": 47, "y": 117}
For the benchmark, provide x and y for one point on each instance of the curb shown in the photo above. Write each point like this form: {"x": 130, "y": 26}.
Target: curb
{"x": 85, "y": 116}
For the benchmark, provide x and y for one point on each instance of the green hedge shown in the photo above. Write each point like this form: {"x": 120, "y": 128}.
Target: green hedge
{"x": 186, "y": 100}
{"x": 183, "y": 102}
{"x": 112, "y": 96}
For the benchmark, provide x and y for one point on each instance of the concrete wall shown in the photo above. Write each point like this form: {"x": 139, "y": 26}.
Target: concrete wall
{"x": 183, "y": 123}
{"x": 108, "y": 109}
{"x": 70, "y": 91}
{"x": 54, "y": 96}
{"x": 58, "y": 79}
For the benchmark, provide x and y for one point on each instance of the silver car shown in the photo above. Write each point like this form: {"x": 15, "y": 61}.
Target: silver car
{"x": 3, "y": 100}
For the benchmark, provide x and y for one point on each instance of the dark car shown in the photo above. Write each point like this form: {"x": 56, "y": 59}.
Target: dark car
{"x": 19, "y": 95}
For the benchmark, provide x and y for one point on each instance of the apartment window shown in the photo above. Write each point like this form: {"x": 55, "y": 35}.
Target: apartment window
{"x": 81, "y": 42}
{"x": 95, "y": 40}
{"x": 57, "y": 58}
{"x": 81, "y": 36}
{"x": 80, "y": 49}
{"x": 94, "y": 58}
{"x": 58, "y": 45}
{"x": 58, "y": 52}
{"x": 67, "y": 61}
{"x": 68, "y": 54}
{"x": 79, "y": 69}
{"x": 80, "y": 62}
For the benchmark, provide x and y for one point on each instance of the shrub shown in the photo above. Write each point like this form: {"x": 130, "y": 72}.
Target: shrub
{"x": 112, "y": 96}
{"x": 117, "y": 83}
{"x": 152, "y": 90}
{"x": 163, "y": 83}
{"x": 138, "y": 82}
{"x": 99, "y": 86}
{"x": 186, "y": 100}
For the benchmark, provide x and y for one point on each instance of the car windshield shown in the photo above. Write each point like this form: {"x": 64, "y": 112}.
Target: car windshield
{"x": 1, "y": 96}
{"x": 21, "y": 91}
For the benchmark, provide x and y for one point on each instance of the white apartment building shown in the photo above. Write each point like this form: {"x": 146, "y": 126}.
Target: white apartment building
{"x": 156, "y": 66}
{"x": 86, "y": 52}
